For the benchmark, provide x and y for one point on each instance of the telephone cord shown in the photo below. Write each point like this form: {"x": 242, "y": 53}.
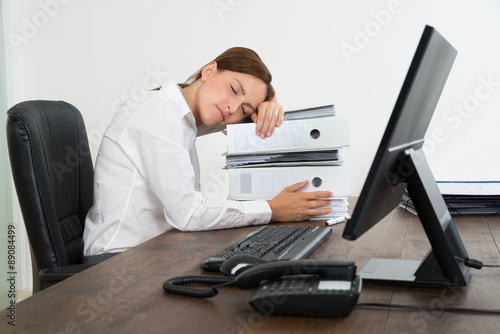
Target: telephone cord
{"x": 177, "y": 286}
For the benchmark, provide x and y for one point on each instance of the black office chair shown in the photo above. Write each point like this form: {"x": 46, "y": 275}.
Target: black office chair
{"x": 53, "y": 176}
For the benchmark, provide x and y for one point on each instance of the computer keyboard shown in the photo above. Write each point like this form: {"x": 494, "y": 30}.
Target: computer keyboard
{"x": 272, "y": 243}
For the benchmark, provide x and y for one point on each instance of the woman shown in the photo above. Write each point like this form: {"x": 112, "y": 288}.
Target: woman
{"x": 147, "y": 176}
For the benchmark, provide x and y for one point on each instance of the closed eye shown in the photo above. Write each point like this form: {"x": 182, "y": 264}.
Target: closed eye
{"x": 232, "y": 88}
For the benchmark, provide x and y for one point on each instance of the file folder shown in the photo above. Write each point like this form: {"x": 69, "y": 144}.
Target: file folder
{"x": 312, "y": 112}
{"x": 300, "y": 135}
{"x": 266, "y": 183}
{"x": 464, "y": 197}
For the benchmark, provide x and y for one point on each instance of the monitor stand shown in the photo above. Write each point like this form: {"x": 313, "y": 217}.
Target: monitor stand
{"x": 440, "y": 267}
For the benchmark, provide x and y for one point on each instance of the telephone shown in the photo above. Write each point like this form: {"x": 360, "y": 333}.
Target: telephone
{"x": 314, "y": 288}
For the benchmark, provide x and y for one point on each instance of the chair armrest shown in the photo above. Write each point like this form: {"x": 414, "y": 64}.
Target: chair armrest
{"x": 61, "y": 273}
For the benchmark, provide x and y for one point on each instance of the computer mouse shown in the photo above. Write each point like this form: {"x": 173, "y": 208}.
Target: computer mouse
{"x": 239, "y": 263}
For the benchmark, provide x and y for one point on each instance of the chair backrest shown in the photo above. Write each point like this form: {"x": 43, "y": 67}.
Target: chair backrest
{"x": 53, "y": 176}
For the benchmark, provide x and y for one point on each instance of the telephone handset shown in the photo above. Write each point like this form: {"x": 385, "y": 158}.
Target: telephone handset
{"x": 327, "y": 269}
{"x": 317, "y": 288}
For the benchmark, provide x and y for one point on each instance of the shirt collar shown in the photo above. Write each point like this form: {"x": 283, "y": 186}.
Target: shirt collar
{"x": 173, "y": 91}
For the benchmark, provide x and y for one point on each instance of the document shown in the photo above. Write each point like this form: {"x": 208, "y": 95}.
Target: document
{"x": 309, "y": 158}
{"x": 481, "y": 197}
{"x": 470, "y": 188}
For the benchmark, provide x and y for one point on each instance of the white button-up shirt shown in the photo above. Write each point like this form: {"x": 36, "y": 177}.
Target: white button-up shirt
{"x": 147, "y": 178}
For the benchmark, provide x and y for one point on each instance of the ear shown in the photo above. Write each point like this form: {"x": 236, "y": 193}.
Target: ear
{"x": 208, "y": 70}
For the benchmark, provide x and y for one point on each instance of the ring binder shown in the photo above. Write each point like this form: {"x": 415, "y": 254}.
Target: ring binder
{"x": 300, "y": 149}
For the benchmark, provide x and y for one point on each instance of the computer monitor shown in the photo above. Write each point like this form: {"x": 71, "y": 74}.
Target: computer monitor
{"x": 400, "y": 163}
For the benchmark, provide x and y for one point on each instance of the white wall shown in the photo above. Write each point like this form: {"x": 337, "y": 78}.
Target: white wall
{"x": 96, "y": 53}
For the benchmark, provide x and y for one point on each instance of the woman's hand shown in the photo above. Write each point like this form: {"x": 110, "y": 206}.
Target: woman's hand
{"x": 269, "y": 115}
{"x": 292, "y": 206}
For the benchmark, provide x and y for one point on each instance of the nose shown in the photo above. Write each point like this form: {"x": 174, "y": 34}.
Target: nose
{"x": 232, "y": 106}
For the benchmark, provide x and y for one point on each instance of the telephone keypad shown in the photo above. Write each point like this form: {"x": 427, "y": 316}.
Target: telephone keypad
{"x": 307, "y": 296}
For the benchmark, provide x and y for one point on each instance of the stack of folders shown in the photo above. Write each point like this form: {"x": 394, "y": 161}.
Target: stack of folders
{"x": 307, "y": 146}
{"x": 465, "y": 197}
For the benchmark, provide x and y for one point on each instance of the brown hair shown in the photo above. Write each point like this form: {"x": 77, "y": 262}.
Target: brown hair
{"x": 242, "y": 60}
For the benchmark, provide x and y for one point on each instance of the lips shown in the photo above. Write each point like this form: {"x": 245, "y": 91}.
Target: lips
{"x": 221, "y": 114}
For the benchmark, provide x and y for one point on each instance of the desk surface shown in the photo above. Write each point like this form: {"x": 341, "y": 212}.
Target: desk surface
{"x": 124, "y": 294}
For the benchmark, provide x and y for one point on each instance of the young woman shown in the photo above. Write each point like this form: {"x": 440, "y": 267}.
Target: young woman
{"x": 147, "y": 177}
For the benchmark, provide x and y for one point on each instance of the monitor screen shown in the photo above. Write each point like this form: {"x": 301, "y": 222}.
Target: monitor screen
{"x": 400, "y": 163}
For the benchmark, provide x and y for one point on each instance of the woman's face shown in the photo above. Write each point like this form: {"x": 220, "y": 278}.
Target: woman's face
{"x": 226, "y": 97}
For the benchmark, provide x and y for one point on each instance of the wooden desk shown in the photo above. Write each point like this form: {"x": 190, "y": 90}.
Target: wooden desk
{"x": 124, "y": 294}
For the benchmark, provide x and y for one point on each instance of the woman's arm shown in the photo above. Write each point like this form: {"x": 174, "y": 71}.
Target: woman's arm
{"x": 268, "y": 116}
{"x": 159, "y": 146}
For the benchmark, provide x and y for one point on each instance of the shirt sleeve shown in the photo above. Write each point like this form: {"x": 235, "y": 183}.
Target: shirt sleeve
{"x": 156, "y": 143}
